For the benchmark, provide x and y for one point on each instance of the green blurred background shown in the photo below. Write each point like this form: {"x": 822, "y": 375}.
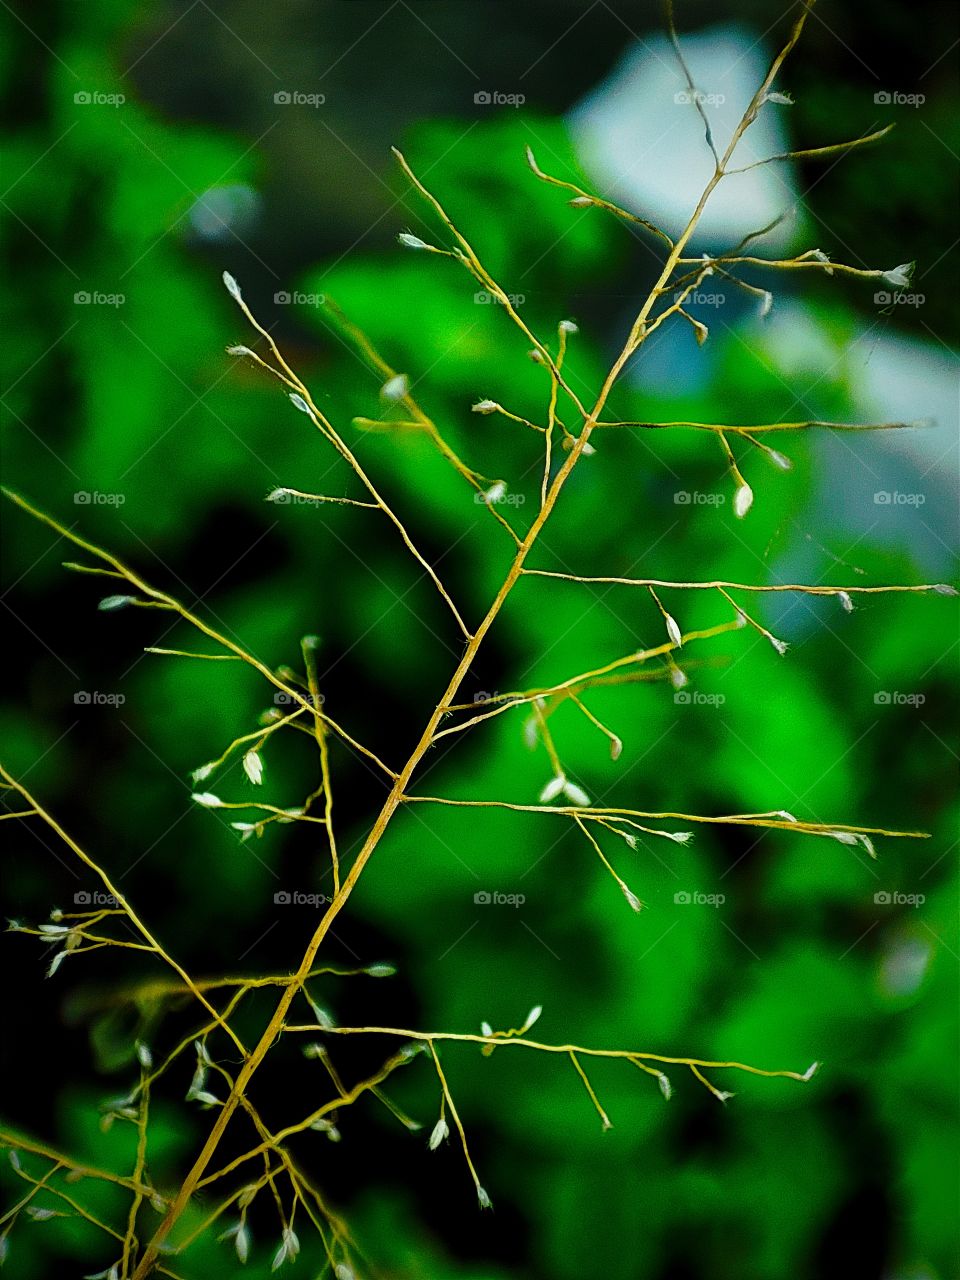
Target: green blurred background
{"x": 199, "y": 169}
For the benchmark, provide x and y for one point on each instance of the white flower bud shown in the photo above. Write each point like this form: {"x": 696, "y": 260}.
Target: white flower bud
{"x": 673, "y": 631}
{"x": 484, "y": 406}
{"x": 253, "y": 767}
{"x": 846, "y": 601}
{"x": 484, "y": 1199}
{"x": 631, "y": 897}
{"x": 396, "y": 387}
{"x": 207, "y": 799}
{"x": 576, "y": 795}
{"x": 742, "y": 501}
{"x": 298, "y": 402}
{"x": 553, "y": 789}
{"x": 441, "y": 1131}
{"x": 410, "y": 241}
{"x": 568, "y": 326}
{"x": 232, "y": 287}
{"x": 109, "y": 604}
{"x": 900, "y": 276}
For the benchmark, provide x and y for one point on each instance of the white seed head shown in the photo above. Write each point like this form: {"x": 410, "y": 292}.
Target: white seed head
{"x": 441, "y": 1131}
{"x": 673, "y": 630}
{"x": 678, "y": 678}
{"x": 742, "y": 500}
{"x": 207, "y": 799}
{"x": 484, "y": 406}
{"x": 782, "y": 99}
{"x": 576, "y": 795}
{"x": 680, "y": 837}
{"x": 780, "y": 460}
{"x": 900, "y": 276}
{"x": 483, "y": 1199}
{"x": 553, "y": 789}
{"x": 109, "y": 604}
{"x": 533, "y": 1016}
{"x": 298, "y": 402}
{"x": 239, "y": 351}
{"x": 410, "y": 241}
{"x": 253, "y": 767}
{"x": 56, "y": 962}
{"x": 581, "y": 202}
{"x": 616, "y": 748}
{"x": 845, "y": 837}
{"x": 342, "y": 1271}
{"x": 396, "y": 387}
{"x": 204, "y": 771}
{"x": 846, "y": 601}
{"x": 380, "y": 971}
{"x": 232, "y": 287}
{"x": 631, "y": 897}
{"x": 486, "y": 1029}
{"x": 665, "y": 1086}
{"x": 323, "y": 1017}
{"x": 781, "y": 646}
{"x": 811, "y": 1071}
{"x": 568, "y": 326}
{"x": 144, "y": 1056}
{"x": 766, "y": 304}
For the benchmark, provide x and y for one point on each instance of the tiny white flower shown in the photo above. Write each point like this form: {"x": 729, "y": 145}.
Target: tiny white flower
{"x": 678, "y": 678}
{"x": 846, "y": 601}
{"x": 581, "y": 202}
{"x": 380, "y": 971}
{"x": 665, "y": 1086}
{"x": 742, "y": 501}
{"x": 110, "y": 604}
{"x": 484, "y": 406}
{"x": 56, "y": 962}
{"x": 568, "y": 326}
{"x": 786, "y": 815}
{"x": 766, "y": 304}
{"x": 900, "y": 276}
{"x": 780, "y": 460}
{"x": 553, "y": 789}
{"x": 144, "y": 1056}
{"x": 411, "y": 241}
{"x": 533, "y": 1016}
{"x": 616, "y": 748}
{"x": 441, "y": 1131}
{"x": 203, "y": 772}
{"x": 205, "y": 1098}
{"x": 495, "y": 493}
{"x": 232, "y": 287}
{"x": 782, "y": 99}
{"x": 486, "y": 1029}
{"x": 680, "y": 837}
{"x": 298, "y": 402}
{"x": 631, "y": 897}
{"x": 207, "y": 799}
{"x": 811, "y": 1071}
{"x": 289, "y": 1248}
{"x": 344, "y": 1272}
{"x": 484, "y": 1199}
{"x": 277, "y": 495}
{"x": 781, "y": 646}
{"x": 239, "y": 351}
{"x": 845, "y": 837}
{"x": 396, "y": 387}
{"x": 673, "y": 631}
{"x": 253, "y": 767}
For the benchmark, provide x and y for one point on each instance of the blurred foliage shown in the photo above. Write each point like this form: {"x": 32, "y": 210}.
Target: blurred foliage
{"x": 799, "y": 962}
